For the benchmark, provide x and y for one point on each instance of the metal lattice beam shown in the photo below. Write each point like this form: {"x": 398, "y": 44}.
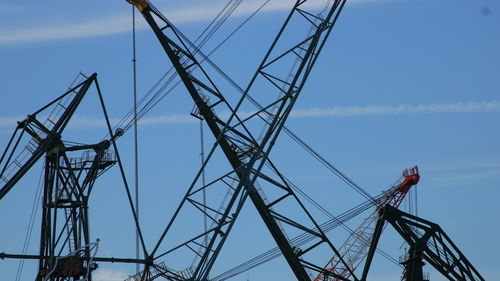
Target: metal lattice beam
{"x": 247, "y": 155}
{"x": 427, "y": 242}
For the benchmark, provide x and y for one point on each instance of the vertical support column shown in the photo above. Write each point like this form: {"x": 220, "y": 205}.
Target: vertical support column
{"x": 413, "y": 265}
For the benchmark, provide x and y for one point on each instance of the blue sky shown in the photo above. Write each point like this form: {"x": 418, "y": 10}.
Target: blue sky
{"x": 400, "y": 83}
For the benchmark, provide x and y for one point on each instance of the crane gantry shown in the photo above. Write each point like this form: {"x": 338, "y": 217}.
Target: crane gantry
{"x": 246, "y": 154}
{"x": 70, "y": 171}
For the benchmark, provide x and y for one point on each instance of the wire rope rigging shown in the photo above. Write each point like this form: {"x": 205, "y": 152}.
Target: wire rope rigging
{"x": 196, "y": 46}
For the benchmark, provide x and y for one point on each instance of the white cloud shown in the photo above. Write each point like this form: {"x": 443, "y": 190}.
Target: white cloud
{"x": 385, "y": 277}
{"x": 462, "y": 178}
{"x": 90, "y": 122}
{"x": 316, "y": 112}
{"x": 121, "y": 23}
{"x": 115, "y": 24}
{"x": 109, "y": 275}
{"x": 338, "y": 111}
{"x": 167, "y": 119}
{"x": 105, "y": 26}
{"x": 9, "y": 121}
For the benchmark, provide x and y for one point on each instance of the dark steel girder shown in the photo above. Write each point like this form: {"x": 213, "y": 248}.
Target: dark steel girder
{"x": 47, "y": 138}
{"x": 98, "y": 259}
{"x": 248, "y": 159}
{"x": 427, "y": 242}
{"x": 68, "y": 182}
{"x": 65, "y": 224}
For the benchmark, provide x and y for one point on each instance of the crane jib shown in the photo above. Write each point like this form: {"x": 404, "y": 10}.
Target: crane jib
{"x": 247, "y": 156}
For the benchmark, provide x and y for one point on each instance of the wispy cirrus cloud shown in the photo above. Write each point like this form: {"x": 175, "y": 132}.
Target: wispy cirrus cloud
{"x": 467, "y": 176}
{"x": 315, "y": 112}
{"x": 97, "y": 27}
{"x": 459, "y": 107}
{"x": 9, "y": 121}
{"x": 91, "y": 122}
{"x": 106, "y": 274}
{"x": 117, "y": 24}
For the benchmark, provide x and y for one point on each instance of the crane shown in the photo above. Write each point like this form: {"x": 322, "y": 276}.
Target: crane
{"x": 427, "y": 241}
{"x": 247, "y": 155}
{"x": 66, "y": 250}
{"x": 17, "y": 159}
{"x": 356, "y": 246}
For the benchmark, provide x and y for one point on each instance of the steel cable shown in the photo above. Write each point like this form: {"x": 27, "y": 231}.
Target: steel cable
{"x": 297, "y": 241}
{"x": 154, "y": 101}
{"x": 29, "y": 231}
{"x": 147, "y": 102}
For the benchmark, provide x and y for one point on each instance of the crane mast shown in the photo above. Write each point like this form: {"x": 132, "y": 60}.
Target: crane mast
{"x": 246, "y": 154}
{"x": 356, "y": 246}
{"x": 65, "y": 247}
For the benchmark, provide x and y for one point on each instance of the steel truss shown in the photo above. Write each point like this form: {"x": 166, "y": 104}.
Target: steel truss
{"x": 357, "y": 245}
{"x": 355, "y": 248}
{"x": 70, "y": 171}
{"x": 284, "y": 71}
{"x": 65, "y": 236}
{"x": 427, "y": 242}
{"x": 20, "y": 156}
